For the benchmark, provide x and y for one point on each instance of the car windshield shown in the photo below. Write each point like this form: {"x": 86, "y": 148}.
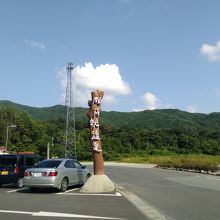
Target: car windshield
{"x": 8, "y": 160}
{"x": 49, "y": 164}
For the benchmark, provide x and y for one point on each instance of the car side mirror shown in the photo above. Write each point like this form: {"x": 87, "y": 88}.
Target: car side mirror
{"x": 83, "y": 167}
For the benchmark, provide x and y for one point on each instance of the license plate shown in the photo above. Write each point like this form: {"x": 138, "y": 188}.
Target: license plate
{"x": 37, "y": 174}
{"x": 4, "y": 172}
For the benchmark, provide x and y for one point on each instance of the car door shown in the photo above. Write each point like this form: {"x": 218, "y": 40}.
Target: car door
{"x": 71, "y": 171}
{"x": 79, "y": 172}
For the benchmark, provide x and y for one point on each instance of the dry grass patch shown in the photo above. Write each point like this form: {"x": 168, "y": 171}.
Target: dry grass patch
{"x": 191, "y": 161}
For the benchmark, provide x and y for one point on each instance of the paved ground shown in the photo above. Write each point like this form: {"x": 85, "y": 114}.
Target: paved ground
{"x": 177, "y": 195}
{"x": 148, "y": 193}
{"x": 47, "y": 204}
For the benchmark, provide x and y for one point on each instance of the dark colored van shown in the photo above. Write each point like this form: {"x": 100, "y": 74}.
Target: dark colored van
{"x": 12, "y": 167}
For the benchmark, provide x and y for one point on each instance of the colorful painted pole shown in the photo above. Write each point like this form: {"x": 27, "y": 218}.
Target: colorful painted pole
{"x": 93, "y": 115}
{"x": 99, "y": 182}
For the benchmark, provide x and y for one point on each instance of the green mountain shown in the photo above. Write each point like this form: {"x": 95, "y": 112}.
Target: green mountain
{"x": 45, "y": 113}
{"x": 160, "y": 118}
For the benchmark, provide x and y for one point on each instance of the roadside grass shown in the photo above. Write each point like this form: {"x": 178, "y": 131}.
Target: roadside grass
{"x": 185, "y": 161}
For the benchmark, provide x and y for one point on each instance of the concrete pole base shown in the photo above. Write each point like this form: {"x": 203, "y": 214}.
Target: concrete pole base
{"x": 98, "y": 184}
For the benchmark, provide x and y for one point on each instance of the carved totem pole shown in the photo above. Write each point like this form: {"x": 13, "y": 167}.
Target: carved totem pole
{"x": 99, "y": 182}
{"x": 93, "y": 115}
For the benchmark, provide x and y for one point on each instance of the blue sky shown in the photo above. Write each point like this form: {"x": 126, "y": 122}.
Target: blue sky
{"x": 145, "y": 54}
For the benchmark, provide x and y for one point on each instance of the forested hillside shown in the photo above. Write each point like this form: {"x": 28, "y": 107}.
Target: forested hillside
{"x": 147, "y": 132}
{"x": 155, "y": 119}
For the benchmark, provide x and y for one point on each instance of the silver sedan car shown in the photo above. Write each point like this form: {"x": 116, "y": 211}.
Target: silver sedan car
{"x": 56, "y": 173}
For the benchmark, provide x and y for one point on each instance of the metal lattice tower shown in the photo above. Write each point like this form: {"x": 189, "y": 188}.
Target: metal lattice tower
{"x": 70, "y": 132}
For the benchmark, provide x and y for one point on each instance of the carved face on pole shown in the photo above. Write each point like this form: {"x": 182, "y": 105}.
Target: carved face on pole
{"x": 93, "y": 115}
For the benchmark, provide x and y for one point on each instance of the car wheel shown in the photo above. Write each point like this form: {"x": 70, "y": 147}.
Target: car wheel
{"x": 64, "y": 185}
{"x": 20, "y": 183}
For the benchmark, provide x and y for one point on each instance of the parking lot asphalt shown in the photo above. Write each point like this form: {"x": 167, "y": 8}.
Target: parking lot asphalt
{"x": 50, "y": 204}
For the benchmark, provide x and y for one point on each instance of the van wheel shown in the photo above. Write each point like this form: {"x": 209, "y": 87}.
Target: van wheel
{"x": 20, "y": 183}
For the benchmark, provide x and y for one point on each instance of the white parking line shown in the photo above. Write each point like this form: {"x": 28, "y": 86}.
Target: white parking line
{"x": 90, "y": 194}
{"x": 16, "y": 190}
{"x": 56, "y": 214}
{"x": 70, "y": 190}
{"x": 147, "y": 210}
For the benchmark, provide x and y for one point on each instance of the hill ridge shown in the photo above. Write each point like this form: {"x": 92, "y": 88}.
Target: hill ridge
{"x": 156, "y": 119}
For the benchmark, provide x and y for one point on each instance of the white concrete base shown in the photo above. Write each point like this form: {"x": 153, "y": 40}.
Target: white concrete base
{"x": 98, "y": 184}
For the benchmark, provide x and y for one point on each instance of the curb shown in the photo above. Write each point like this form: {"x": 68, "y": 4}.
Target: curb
{"x": 190, "y": 170}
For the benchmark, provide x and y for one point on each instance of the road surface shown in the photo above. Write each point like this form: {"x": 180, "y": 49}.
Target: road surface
{"x": 178, "y": 195}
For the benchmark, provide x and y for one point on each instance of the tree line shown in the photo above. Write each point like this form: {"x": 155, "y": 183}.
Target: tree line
{"x": 34, "y": 135}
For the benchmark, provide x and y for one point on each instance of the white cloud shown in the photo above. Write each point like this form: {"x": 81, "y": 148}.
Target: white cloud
{"x": 212, "y": 52}
{"x": 110, "y": 99}
{"x": 191, "y": 108}
{"x": 150, "y": 100}
{"x": 87, "y": 78}
{"x": 36, "y": 44}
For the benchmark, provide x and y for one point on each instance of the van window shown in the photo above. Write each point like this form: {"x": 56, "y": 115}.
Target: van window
{"x": 21, "y": 161}
{"x": 8, "y": 160}
{"x": 29, "y": 161}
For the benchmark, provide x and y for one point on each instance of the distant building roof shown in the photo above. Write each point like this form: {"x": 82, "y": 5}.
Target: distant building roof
{"x": 25, "y": 152}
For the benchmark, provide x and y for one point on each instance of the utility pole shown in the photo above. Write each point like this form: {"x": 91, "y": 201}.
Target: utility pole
{"x": 6, "y": 142}
{"x": 48, "y": 150}
{"x": 70, "y": 131}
